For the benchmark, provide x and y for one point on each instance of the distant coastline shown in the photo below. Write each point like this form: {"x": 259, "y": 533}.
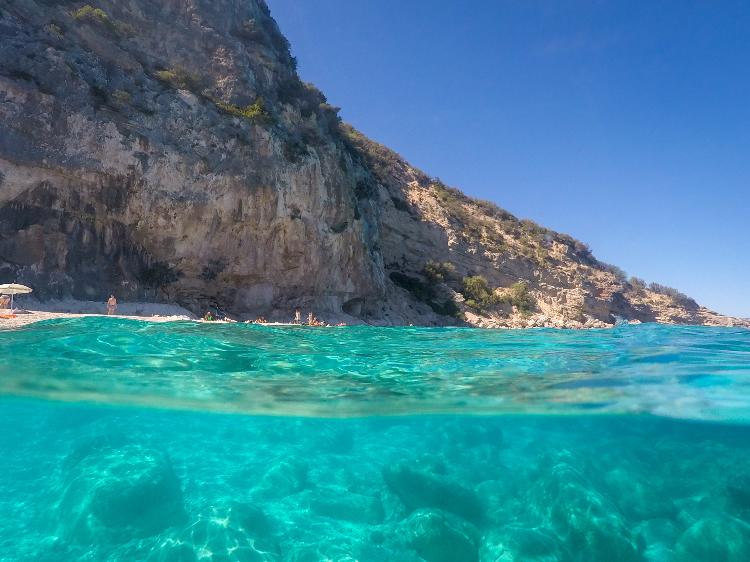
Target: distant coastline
{"x": 159, "y": 312}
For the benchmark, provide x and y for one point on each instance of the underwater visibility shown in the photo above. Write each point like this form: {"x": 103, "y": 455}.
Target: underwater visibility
{"x": 127, "y": 441}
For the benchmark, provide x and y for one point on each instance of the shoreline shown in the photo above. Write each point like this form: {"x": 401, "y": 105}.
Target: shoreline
{"x": 37, "y": 311}
{"x": 34, "y": 316}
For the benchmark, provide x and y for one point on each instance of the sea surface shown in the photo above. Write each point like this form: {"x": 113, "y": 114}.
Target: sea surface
{"x": 126, "y": 441}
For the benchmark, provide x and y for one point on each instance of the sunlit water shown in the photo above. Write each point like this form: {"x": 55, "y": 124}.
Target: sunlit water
{"x": 128, "y": 441}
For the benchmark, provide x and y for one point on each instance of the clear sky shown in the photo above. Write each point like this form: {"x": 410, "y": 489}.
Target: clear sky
{"x": 625, "y": 124}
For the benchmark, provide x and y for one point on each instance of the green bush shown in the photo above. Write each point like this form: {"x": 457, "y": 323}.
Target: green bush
{"x": 89, "y": 14}
{"x": 477, "y": 293}
{"x": 251, "y": 112}
{"x": 250, "y": 29}
{"x": 480, "y": 296}
{"x": 674, "y": 294}
{"x": 381, "y": 160}
{"x": 181, "y": 79}
{"x": 473, "y": 225}
{"x": 448, "y": 308}
{"x": 121, "y": 97}
{"x": 540, "y": 255}
{"x": 302, "y": 95}
{"x": 533, "y": 228}
{"x": 637, "y": 283}
{"x": 438, "y": 272}
{"x": 619, "y": 274}
{"x": 54, "y": 29}
{"x": 519, "y": 296}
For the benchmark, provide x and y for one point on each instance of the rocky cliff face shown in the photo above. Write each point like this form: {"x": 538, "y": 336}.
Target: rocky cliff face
{"x": 168, "y": 151}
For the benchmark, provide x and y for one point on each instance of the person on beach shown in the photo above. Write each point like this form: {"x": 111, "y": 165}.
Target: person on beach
{"x": 111, "y": 305}
{"x": 312, "y": 321}
{"x": 4, "y": 301}
{"x": 297, "y": 316}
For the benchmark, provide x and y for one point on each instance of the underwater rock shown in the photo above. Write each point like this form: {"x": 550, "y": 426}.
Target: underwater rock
{"x": 502, "y": 497}
{"x": 283, "y": 479}
{"x": 118, "y": 494}
{"x": 248, "y": 517}
{"x": 87, "y": 446}
{"x": 420, "y": 487}
{"x": 345, "y": 551}
{"x": 438, "y": 536}
{"x": 715, "y": 539}
{"x": 171, "y": 550}
{"x": 637, "y": 499}
{"x": 216, "y": 538}
{"x": 347, "y": 506}
{"x": 658, "y": 533}
{"x": 738, "y": 490}
{"x": 588, "y": 523}
{"x": 518, "y": 544}
{"x": 695, "y": 509}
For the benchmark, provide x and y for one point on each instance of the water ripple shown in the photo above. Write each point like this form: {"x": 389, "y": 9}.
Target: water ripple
{"x": 677, "y": 371}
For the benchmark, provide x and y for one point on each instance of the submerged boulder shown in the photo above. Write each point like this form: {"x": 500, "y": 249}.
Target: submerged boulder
{"x": 419, "y": 487}
{"x": 215, "y": 540}
{"x": 285, "y": 478}
{"x": 718, "y": 539}
{"x": 638, "y": 499}
{"x": 518, "y": 544}
{"x": 738, "y": 489}
{"x": 234, "y": 533}
{"x": 438, "y": 536}
{"x": 347, "y": 506}
{"x": 115, "y": 494}
{"x": 588, "y": 523}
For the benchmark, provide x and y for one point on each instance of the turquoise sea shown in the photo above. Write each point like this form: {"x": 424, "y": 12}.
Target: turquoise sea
{"x": 129, "y": 441}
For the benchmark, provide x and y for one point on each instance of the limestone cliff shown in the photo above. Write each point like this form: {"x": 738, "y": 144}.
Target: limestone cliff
{"x": 168, "y": 151}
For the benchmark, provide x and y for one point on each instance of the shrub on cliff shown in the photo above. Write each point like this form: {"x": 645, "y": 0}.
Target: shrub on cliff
{"x": 254, "y": 111}
{"x": 120, "y": 98}
{"x": 459, "y": 208}
{"x": 477, "y": 293}
{"x": 251, "y": 30}
{"x": 518, "y": 295}
{"x": 90, "y": 14}
{"x": 673, "y": 293}
{"x": 381, "y": 160}
{"x": 637, "y": 283}
{"x": 303, "y": 95}
{"x": 438, "y": 272}
{"x": 481, "y": 297}
{"x": 181, "y": 79}
{"x": 619, "y": 274}
{"x": 97, "y": 16}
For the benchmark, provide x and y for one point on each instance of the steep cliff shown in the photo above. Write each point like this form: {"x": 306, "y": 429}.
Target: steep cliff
{"x": 168, "y": 151}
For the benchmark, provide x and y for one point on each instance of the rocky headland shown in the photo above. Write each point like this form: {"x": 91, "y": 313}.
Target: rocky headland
{"x": 169, "y": 152}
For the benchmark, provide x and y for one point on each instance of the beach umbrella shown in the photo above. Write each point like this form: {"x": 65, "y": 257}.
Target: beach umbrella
{"x": 14, "y": 289}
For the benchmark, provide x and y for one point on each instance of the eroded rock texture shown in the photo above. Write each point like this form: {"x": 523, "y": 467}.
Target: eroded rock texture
{"x": 167, "y": 151}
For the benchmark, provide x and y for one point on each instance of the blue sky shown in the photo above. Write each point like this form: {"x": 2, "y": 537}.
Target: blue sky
{"x": 625, "y": 124}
